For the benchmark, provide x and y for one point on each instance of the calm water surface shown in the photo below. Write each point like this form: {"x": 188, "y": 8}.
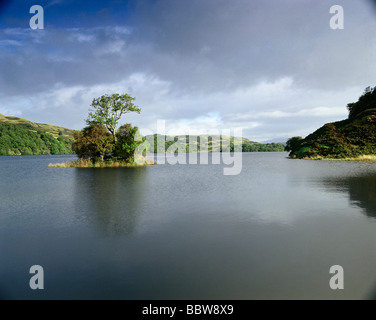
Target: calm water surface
{"x": 188, "y": 231}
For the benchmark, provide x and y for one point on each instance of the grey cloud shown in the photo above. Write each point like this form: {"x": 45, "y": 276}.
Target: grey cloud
{"x": 224, "y": 44}
{"x": 206, "y": 46}
{"x": 205, "y": 54}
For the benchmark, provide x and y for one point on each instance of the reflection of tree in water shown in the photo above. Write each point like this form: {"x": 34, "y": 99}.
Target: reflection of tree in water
{"x": 362, "y": 191}
{"x": 110, "y": 198}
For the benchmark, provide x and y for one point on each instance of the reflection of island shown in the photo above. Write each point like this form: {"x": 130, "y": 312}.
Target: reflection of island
{"x": 110, "y": 197}
{"x": 361, "y": 190}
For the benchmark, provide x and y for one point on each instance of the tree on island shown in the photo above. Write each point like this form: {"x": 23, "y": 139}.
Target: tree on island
{"x": 93, "y": 141}
{"x": 128, "y": 138}
{"x": 107, "y": 111}
{"x": 101, "y": 139}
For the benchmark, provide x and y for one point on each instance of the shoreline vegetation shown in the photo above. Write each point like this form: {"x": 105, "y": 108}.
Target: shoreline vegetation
{"x": 207, "y": 143}
{"x": 352, "y": 139}
{"x": 88, "y": 163}
{"x": 361, "y": 158}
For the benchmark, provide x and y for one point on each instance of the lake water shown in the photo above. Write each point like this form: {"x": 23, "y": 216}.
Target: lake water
{"x": 188, "y": 231}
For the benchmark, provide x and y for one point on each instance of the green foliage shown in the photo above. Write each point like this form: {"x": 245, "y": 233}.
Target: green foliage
{"x": 25, "y": 140}
{"x": 346, "y": 139}
{"x": 303, "y": 152}
{"x": 107, "y": 111}
{"x": 293, "y": 144}
{"x": 263, "y": 147}
{"x": 128, "y": 139}
{"x": 366, "y": 101}
{"x": 94, "y": 141}
{"x": 343, "y": 139}
{"x": 102, "y": 138}
{"x": 215, "y": 143}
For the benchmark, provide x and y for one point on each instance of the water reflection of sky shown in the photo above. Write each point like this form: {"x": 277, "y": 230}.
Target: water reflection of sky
{"x": 188, "y": 231}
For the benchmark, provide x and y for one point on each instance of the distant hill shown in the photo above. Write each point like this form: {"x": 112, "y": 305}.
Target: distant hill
{"x": 281, "y": 140}
{"x": 23, "y": 137}
{"x": 350, "y": 138}
{"x": 56, "y": 131}
{"x": 207, "y": 142}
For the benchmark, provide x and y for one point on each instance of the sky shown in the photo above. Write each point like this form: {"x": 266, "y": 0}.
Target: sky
{"x": 274, "y": 68}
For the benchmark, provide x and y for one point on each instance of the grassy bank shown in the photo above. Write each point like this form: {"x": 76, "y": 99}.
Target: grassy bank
{"x": 366, "y": 158}
{"x": 87, "y": 163}
{"x": 352, "y": 139}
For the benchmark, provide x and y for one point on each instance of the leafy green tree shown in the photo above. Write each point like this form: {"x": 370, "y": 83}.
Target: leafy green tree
{"x": 293, "y": 144}
{"x": 93, "y": 141}
{"x": 366, "y": 101}
{"x": 128, "y": 139}
{"x": 107, "y": 111}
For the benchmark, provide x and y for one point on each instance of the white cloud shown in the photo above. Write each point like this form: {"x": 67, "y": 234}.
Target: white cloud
{"x": 10, "y": 43}
{"x": 195, "y": 113}
{"x": 279, "y": 114}
{"x": 53, "y": 3}
{"x": 80, "y": 37}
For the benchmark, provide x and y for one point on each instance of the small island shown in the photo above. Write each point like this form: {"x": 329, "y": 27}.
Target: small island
{"x": 350, "y": 139}
{"x": 102, "y": 144}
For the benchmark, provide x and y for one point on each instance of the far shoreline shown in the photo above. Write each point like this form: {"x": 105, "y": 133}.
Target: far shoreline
{"x": 361, "y": 158}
